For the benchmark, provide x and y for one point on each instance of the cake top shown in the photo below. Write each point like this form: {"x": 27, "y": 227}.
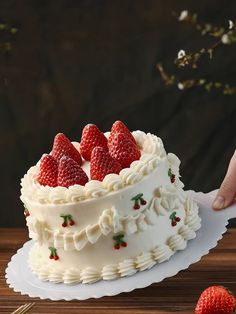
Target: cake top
{"x": 99, "y": 164}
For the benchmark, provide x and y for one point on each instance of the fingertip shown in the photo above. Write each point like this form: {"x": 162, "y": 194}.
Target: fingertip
{"x": 219, "y": 203}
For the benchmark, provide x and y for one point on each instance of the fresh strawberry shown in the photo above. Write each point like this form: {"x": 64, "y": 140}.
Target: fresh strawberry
{"x": 120, "y": 127}
{"x": 70, "y": 173}
{"x": 91, "y": 137}
{"x": 63, "y": 147}
{"x": 102, "y": 164}
{"x": 216, "y": 300}
{"x": 48, "y": 171}
{"x": 123, "y": 150}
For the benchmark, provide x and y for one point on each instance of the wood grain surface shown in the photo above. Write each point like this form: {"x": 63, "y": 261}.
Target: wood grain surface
{"x": 176, "y": 294}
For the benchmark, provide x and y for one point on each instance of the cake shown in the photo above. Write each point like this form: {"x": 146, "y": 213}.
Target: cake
{"x": 106, "y": 208}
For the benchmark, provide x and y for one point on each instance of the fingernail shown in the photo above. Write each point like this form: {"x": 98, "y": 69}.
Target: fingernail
{"x": 218, "y": 202}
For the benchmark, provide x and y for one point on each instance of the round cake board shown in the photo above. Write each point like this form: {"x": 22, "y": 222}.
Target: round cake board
{"x": 20, "y": 278}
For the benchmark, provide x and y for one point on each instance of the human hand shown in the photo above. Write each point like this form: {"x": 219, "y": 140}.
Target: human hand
{"x": 227, "y": 192}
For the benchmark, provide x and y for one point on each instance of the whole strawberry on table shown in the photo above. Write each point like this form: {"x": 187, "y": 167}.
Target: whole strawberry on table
{"x": 216, "y": 300}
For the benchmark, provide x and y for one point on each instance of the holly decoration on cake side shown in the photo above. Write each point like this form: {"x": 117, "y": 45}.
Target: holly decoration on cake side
{"x": 53, "y": 254}
{"x": 174, "y": 219}
{"x": 138, "y": 201}
{"x": 67, "y": 220}
{"x": 171, "y": 175}
{"x": 119, "y": 241}
{"x": 26, "y": 212}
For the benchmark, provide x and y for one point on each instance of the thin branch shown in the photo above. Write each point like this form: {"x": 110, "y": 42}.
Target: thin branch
{"x": 192, "y": 59}
{"x": 170, "y": 79}
{"x": 224, "y": 37}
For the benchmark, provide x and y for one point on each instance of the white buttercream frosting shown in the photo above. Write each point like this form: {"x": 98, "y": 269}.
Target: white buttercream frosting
{"x": 177, "y": 242}
{"x": 127, "y": 267}
{"x": 145, "y": 261}
{"x": 111, "y": 221}
{"x": 109, "y": 272}
{"x": 100, "y": 210}
{"x": 71, "y": 276}
{"x": 162, "y": 253}
{"x": 90, "y": 275}
{"x": 95, "y": 189}
{"x": 113, "y": 182}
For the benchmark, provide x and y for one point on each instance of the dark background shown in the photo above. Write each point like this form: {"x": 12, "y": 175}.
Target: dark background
{"x": 75, "y": 62}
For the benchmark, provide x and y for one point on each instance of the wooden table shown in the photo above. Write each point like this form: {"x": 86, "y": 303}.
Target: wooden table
{"x": 178, "y": 293}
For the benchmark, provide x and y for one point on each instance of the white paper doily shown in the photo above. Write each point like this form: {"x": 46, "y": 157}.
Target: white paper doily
{"x": 20, "y": 278}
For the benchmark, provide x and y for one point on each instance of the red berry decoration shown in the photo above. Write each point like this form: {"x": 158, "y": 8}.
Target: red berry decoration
{"x": 216, "y": 300}
{"x": 102, "y": 164}
{"x": 91, "y": 137}
{"x": 138, "y": 199}
{"x": 172, "y": 179}
{"x": 72, "y": 223}
{"x": 119, "y": 241}
{"x": 174, "y": 219}
{"x": 62, "y": 146}
{"x": 53, "y": 254}
{"x": 123, "y": 149}
{"x": 117, "y": 246}
{"x": 48, "y": 170}
{"x": 26, "y": 212}
{"x": 171, "y": 175}
{"x": 70, "y": 173}
{"x": 67, "y": 220}
{"x": 120, "y": 127}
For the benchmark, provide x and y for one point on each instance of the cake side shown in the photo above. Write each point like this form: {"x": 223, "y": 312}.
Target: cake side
{"x": 155, "y": 243}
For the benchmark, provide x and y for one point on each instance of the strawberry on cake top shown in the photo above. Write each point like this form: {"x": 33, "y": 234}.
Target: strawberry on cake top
{"x": 63, "y": 166}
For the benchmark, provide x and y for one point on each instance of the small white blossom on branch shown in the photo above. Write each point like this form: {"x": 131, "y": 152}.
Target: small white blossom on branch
{"x": 225, "y": 39}
{"x": 183, "y": 15}
{"x": 231, "y": 24}
{"x": 183, "y": 59}
{"x": 180, "y": 86}
{"x": 181, "y": 54}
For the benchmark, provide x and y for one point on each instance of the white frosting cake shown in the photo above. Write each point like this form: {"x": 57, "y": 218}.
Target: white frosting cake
{"x": 126, "y": 223}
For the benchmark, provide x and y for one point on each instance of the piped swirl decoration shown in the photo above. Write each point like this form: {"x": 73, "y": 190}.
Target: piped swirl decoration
{"x": 152, "y": 152}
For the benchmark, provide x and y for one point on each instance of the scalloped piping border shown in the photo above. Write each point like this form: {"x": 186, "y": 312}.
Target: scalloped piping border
{"x": 108, "y": 222}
